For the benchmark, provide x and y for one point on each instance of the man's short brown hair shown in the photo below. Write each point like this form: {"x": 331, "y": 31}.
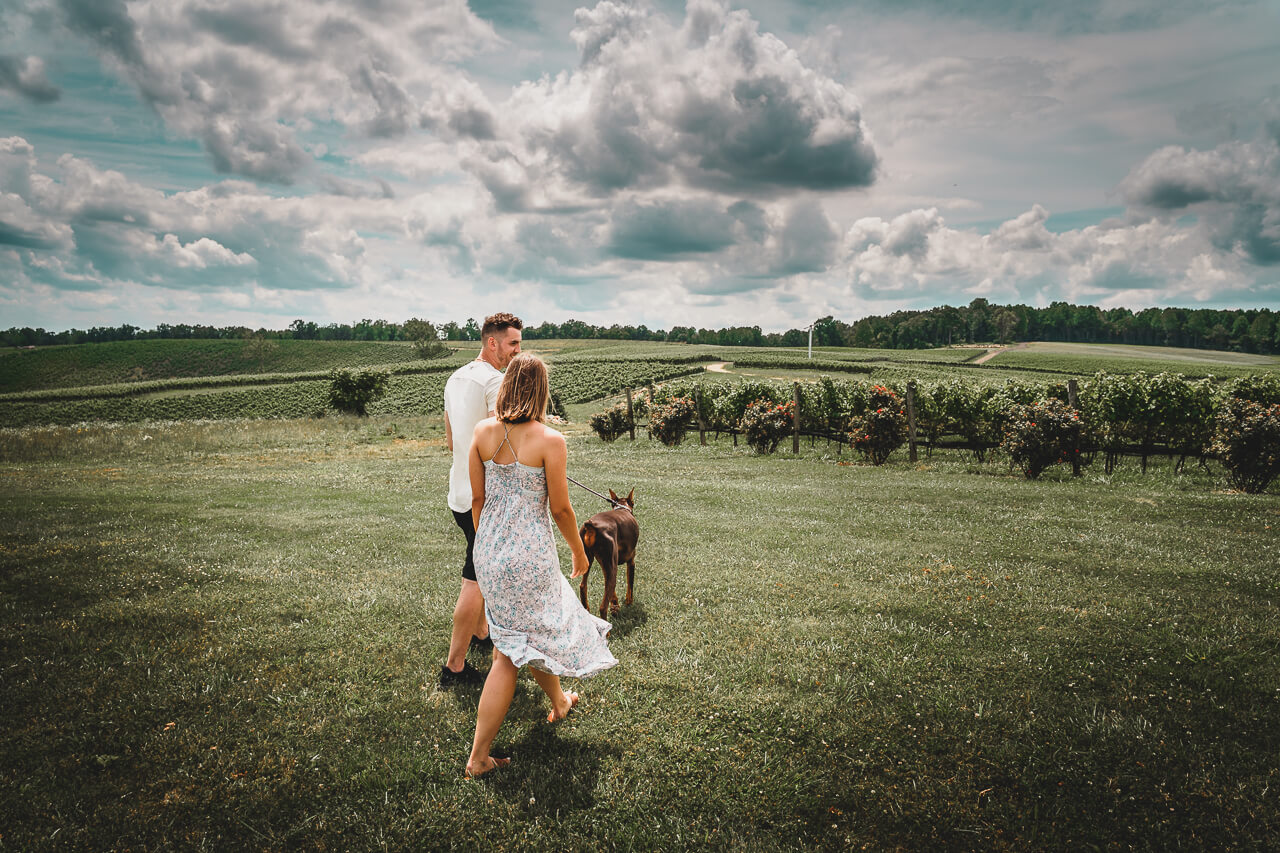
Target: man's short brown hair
{"x": 497, "y": 323}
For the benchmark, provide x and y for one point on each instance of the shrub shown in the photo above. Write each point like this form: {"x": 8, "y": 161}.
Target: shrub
{"x": 1041, "y": 435}
{"x": 766, "y": 423}
{"x": 1247, "y": 441}
{"x": 669, "y": 421}
{"x": 963, "y": 411}
{"x": 430, "y": 348}
{"x": 353, "y": 392}
{"x": 883, "y": 428}
{"x": 555, "y": 406}
{"x": 426, "y": 342}
{"x": 1260, "y": 388}
{"x": 833, "y": 402}
{"x": 611, "y": 423}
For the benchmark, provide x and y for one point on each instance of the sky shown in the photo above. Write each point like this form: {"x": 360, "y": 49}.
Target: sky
{"x": 757, "y": 163}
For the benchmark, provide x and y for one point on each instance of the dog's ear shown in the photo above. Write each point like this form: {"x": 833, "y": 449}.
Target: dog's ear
{"x": 631, "y": 498}
{"x": 613, "y": 497}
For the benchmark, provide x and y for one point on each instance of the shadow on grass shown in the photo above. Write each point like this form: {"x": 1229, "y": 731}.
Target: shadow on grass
{"x": 632, "y": 616}
{"x": 550, "y": 772}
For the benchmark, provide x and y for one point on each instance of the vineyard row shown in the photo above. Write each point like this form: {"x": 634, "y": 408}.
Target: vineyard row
{"x": 1140, "y": 414}
{"x": 414, "y": 389}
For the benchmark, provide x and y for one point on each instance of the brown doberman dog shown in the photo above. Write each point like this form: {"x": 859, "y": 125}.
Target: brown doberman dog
{"x": 610, "y": 537}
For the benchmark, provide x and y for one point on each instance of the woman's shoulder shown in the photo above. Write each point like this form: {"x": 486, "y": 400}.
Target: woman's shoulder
{"x": 484, "y": 430}
{"x": 551, "y": 435}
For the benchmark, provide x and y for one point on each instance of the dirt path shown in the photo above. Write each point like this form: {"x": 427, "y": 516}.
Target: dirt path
{"x": 995, "y": 351}
{"x": 718, "y": 367}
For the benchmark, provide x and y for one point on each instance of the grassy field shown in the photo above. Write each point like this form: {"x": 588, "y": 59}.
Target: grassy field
{"x": 135, "y": 361}
{"x": 163, "y": 379}
{"x": 1086, "y": 359}
{"x": 225, "y": 636}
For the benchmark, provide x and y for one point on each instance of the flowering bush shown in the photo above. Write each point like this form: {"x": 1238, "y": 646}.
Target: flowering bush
{"x": 611, "y": 423}
{"x": 669, "y": 421}
{"x": 729, "y": 405}
{"x": 883, "y": 428}
{"x": 1247, "y": 441}
{"x": 766, "y": 423}
{"x": 1041, "y": 435}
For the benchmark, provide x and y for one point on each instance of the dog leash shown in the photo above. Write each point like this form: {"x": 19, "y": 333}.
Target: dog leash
{"x": 616, "y": 504}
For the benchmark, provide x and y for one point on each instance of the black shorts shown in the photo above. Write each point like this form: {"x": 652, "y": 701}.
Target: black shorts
{"x": 468, "y": 526}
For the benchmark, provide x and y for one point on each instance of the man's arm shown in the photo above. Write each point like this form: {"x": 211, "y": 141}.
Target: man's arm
{"x": 448, "y": 432}
{"x": 491, "y": 395}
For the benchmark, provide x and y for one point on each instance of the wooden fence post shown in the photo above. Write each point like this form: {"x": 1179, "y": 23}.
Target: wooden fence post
{"x": 795, "y": 418}
{"x": 1073, "y": 400}
{"x": 911, "y": 420}
{"x": 631, "y": 417}
{"x": 697, "y": 408}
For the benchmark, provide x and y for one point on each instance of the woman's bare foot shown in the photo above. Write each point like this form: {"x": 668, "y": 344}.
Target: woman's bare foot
{"x": 558, "y": 714}
{"x": 481, "y": 768}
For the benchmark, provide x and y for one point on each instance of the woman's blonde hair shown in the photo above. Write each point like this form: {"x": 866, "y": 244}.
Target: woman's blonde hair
{"x": 524, "y": 392}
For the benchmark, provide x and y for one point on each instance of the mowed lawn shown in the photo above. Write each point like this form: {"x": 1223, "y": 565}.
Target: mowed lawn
{"x": 226, "y": 636}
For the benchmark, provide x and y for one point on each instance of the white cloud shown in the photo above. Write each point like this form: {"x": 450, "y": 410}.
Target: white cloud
{"x": 1234, "y": 189}
{"x": 108, "y": 228}
{"x": 714, "y": 104}
{"x": 198, "y": 254}
{"x": 26, "y": 76}
{"x": 22, "y": 226}
{"x": 247, "y": 80}
{"x": 917, "y": 253}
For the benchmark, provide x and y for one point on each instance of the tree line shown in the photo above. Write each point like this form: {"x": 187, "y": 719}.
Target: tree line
{"x": 1243, "y": 330}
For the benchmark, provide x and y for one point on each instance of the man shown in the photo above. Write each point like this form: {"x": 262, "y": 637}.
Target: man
{"x": 470, "y": 396}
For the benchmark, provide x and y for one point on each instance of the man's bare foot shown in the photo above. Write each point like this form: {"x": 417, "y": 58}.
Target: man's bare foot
{"x": 558, "y": 714}
{"x": 482, "y": 768}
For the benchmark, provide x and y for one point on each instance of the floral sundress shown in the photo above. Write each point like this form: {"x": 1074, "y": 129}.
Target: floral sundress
{"x": 534, "y": 615}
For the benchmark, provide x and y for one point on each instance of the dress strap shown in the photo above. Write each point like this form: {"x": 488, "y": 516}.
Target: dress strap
{"x": 506, "y": 439}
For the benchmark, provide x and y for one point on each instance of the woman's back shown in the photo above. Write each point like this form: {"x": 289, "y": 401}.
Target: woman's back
{"x": 503, "y": 443}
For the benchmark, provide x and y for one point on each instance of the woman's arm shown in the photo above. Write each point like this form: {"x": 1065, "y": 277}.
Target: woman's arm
{"x": 555, "y": 462}
{"x": 475, "y": 469}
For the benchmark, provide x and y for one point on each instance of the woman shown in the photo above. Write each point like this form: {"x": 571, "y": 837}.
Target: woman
{"x": 518, "y": 485}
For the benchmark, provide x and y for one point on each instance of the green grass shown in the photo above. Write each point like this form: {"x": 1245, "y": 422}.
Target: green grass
{"x": 938, "y": 354}
{"x": 225, "y": 635}
{"x": 1086, "y": 359}
{"x": 135, "y": 361}
{"x": 889, "y": 372}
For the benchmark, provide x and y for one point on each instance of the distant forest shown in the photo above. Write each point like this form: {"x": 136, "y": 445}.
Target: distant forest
{"x": 1251, "y": 330}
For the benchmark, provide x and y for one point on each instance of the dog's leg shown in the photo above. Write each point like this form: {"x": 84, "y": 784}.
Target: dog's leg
{"x": 631, "y": 579}
{"x": 611, "y": 585}
{"x": 609, "y": 572}
{"x": 588, "y": 534}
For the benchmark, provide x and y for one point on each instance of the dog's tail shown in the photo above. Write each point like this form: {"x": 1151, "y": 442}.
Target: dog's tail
{"x": 588, "y": 534}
